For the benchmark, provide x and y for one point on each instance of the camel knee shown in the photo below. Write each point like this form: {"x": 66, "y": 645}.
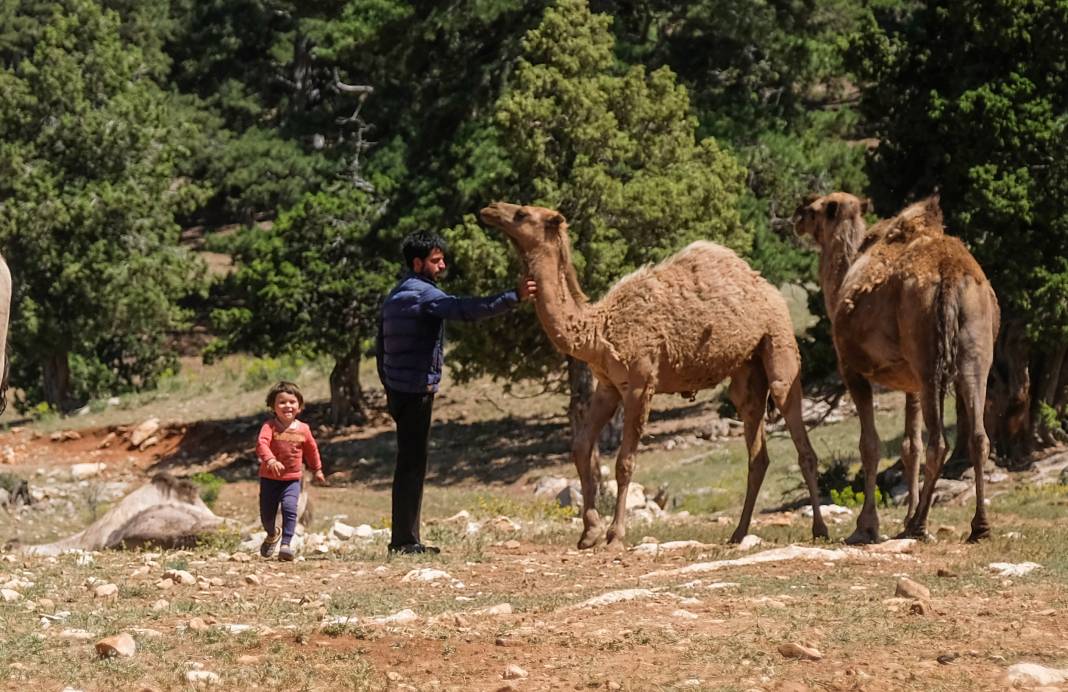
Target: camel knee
{"x": 780, "y": 393}
{"x": 980, "y": 446}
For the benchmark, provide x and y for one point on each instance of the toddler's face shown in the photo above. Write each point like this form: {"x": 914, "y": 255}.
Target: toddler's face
{"x": 286, "y": 407}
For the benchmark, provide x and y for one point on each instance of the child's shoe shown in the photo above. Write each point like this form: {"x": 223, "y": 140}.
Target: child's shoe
{"x": 285, "y": 554}
{"x": 267, "y": 547}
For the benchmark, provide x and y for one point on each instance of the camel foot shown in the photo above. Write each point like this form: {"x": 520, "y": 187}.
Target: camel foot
{"x": 820, "y": 531}
{"x": 917, "y": 532}
{"x": 590, "y": 538}
{"x": 863, "y": 537}
{"x": 615, "y": 545}
{"x": 979, "y": 534}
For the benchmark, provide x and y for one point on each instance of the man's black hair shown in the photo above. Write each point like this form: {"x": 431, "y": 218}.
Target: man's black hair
{"x": 419, "y": 244}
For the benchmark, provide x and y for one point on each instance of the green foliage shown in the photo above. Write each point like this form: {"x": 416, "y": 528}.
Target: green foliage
{"x": 490, "y": 506}
{"x": 615, "y": 150}
{"x": 89, "y": 165}
{"x": 972, "y": 98}
{"x": 847, "y": 497}
{"x": 210, "y": 484}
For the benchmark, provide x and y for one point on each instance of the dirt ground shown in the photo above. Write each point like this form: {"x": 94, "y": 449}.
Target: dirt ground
{"x": 510, "y": 603}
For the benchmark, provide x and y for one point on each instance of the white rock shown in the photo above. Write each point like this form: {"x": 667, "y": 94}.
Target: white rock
{"x": 160, "y": 604}
{"x": 343, "y": 530}
{"x": 145, "y": 430}
{"x": 827, "y": 510}
{"x": 749, "y": 542}
{"x": 399, "y": 618}
{"x": 805, "y": 653}
{"x": 1008, "y": 569}
{"x": 615, "y": 597}
{"x": 896, "y": 546}
{"x": 550, "y": 486}
{"x": 635, "y": 493}
{"x": 499, "y": 609}
{"x": 514, "y": 672}
{"x": 10, "y": 595}
{"x": 907, "y": 588}
{"x": 75, "y": 634}
{"x": 365, "y": 531}
{"x": 425, "y": 574}
{"x": 670, "y": 546}
{"x": 793, "y": 552}
{"x": 80, "y": 472}
{"x": 180, "y": 576}
{"x": 1035, "y": 674}
{"x": 684, "y": 614}
{"x": 106, "y": 591}
{"x": 202, "y": 677}
{"x": 570, "y": 496}
{"x": 122, "y": 645}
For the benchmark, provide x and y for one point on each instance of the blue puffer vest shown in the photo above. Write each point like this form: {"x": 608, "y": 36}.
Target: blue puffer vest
{"x": 411, "y": 331}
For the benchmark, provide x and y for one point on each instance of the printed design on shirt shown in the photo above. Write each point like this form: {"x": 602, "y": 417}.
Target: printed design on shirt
{"x": 287, "y": 436}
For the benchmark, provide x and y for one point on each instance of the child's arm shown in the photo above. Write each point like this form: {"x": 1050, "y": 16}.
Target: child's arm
{"x": 263, "y": 449}
{"x": 311, "y": 456}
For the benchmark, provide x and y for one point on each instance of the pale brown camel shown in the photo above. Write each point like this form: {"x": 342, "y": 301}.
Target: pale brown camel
{"x": 677, "y": 327}
{"x": 911, "y": 310}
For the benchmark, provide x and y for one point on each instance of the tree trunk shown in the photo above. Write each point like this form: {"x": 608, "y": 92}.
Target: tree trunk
{"x": 1009, "y": 394}
{"x": 346, "y": 396}
{"x": 57, "y": 380}
{"x": 1049, "y": 373}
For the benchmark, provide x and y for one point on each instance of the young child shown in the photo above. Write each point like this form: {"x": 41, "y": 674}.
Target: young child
{"x": 284, "y": 445}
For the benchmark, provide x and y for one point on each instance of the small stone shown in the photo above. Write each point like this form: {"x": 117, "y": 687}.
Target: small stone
{"x": 511, "y": 544}
{"x": 252, "y": 579}
{"x": 946, "y": 659}
{"x": 161, "y": 604}
{"x": 393, "y": 676}
{"x": 946, "y": 574}
{"x": 908, "y": 588}
{"x": 10, "y": 595}
{"x": 180, "y": 576}
{"x": 122, "y": 645}
{"x": 198, "y": 625}
{"x": 920, "y": 608}
{"x": 794, "y": 650}
{"x": 749, "y": 542}
{"x": 514, "y": 672}
{"x": 45, "y": 604}
{"x": 248, "y": 659}
{"x": 202, "y": 677}
{"x": 106, "y": 591}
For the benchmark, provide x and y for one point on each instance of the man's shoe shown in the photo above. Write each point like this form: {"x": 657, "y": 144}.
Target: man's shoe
{"x": 414, "y": 549}
{"x": 269, "y": 543}
{"x": 285, "y": 554}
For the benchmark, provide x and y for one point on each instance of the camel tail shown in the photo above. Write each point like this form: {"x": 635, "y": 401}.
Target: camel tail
{"x": 947, "y": 327}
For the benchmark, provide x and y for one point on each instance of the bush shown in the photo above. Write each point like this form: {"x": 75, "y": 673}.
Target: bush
{"x": 209, "y": 486}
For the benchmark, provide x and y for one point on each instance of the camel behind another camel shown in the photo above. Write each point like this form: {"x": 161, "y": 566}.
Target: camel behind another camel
{"x": 910, "y": 310}
{"x": 677, "y": 327}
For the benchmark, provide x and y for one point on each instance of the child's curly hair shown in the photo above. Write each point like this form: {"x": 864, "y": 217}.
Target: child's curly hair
{"x": 284, "y": 387}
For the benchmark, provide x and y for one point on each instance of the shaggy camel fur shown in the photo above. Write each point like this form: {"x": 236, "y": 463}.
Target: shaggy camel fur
{"x": 677, "y": 327}
{"x": 166, "y": 512}
{"x": 911, "y": 310}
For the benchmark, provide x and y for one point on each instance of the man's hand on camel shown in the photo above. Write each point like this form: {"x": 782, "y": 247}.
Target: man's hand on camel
{"x": 528, "y": 288}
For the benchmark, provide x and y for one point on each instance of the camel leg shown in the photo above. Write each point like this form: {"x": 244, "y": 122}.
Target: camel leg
{"x": 972, "y": 386}
{"x": 635, "y": 414}
{"x": 749, "y": 393}
{"x": 602, "y": 408}
{"x": 910, "y": 452}
{"x": 936, "y": 455}
{"x": 867, "y": 530}
{"x": 788, "y": 399}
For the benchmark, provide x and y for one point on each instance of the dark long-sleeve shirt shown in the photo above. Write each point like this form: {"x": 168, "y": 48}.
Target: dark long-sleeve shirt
{"x": 411, "y": 331}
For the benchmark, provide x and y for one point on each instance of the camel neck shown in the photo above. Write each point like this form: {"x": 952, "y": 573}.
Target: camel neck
{"x": 836, "y": 259}
{"x": 565, "y": 315}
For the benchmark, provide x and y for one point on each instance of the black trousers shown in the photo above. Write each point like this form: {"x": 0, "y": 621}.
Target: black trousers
{"x": 412, "y": 413}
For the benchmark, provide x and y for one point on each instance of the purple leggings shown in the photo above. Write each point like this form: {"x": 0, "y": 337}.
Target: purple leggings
{"x": 274, "y": 493}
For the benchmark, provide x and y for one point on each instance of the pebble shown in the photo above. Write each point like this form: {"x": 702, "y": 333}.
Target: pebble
{"x": 122, "y": 645}
{"x": 908, "y": 588}
{"x": 805, "y": 653}
{"x": 514, "y": 672}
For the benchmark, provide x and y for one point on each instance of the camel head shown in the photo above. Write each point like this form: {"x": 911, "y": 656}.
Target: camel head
{"x": 827, "y": 218}
{"x": 529, "y": 228}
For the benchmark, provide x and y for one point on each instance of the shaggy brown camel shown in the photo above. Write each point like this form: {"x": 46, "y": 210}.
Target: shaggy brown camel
{"x": 166, "y": 511}
{"x": 911, "y": 310}
{"x": 677, "y": 327}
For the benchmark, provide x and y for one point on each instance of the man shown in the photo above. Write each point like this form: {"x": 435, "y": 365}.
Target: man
{"x": 410, "y": 354}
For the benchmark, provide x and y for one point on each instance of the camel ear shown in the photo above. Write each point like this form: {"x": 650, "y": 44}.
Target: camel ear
{"x": 866, "y": 205}
{"x": 831, "y": 209}
{"x": 555, "y": 222}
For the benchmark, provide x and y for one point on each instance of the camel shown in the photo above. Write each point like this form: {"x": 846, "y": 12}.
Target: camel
{"x": 910, "y": 310}
{"x": 679, "y": 326}
{"x": 166, "y": 511}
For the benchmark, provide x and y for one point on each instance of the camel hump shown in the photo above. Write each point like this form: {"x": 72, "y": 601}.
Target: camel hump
{"x": 922, "y": 219}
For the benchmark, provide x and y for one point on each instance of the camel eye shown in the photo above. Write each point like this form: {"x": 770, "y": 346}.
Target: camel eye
{"x": 520, "y": 215}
